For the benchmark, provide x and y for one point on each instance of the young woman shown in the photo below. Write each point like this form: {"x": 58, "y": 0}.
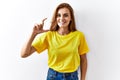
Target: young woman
{"x": 66, "y": 45}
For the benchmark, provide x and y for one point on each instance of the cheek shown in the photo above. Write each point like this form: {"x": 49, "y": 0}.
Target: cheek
{"x": 58, "y": 20}
{"x": 68, "y": 18}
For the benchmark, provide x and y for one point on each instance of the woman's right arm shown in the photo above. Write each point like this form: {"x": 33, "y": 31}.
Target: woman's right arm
{"x": 28, "y": 49}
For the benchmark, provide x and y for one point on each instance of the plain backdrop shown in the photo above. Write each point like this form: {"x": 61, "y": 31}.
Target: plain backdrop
{"x": 99, "y": 20}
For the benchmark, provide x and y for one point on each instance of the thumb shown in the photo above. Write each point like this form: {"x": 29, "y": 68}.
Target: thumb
{"x": 43, "y": 20}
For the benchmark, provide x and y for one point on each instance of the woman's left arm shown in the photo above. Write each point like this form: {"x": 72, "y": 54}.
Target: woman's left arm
{"x": 83, "y": 66}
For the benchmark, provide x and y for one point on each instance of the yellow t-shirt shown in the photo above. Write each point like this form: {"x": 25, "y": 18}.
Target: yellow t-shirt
{"x": 63, "y": 50}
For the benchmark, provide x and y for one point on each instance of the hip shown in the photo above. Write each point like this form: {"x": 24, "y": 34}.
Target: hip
{"x": 54, "y": 75}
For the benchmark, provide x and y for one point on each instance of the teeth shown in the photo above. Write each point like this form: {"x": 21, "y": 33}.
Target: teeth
{"x": 62, "y": 22}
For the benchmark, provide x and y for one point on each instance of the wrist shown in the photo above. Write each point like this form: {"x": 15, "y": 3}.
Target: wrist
{"x": 82, "y": 78}
{"x": 33, "y": 34}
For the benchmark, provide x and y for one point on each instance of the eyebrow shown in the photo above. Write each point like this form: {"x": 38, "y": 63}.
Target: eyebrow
{"x": 63, "y": 14}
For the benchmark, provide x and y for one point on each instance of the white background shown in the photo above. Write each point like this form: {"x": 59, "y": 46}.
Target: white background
{"x": 98, "y": 19}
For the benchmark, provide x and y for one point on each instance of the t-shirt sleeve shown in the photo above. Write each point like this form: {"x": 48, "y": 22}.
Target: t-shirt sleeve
{"x": 40, "y": 42}
{"x": 83, "y": 47}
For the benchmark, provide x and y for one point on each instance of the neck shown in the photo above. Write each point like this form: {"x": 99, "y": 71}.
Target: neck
{"x": 63, "y": 31}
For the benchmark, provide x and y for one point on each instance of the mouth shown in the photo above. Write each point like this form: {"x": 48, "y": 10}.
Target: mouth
{"x": 62, "y": 23}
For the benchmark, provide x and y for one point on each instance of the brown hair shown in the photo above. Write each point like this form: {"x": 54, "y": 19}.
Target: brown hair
{"x": 72, "y": 25}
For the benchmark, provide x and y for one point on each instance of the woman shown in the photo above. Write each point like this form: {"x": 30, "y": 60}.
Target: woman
{"x": 66, "y": 46}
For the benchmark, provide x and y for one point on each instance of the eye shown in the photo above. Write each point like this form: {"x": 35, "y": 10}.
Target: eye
{"x": 58, "y": 15}
{"x": 65, "y": 15}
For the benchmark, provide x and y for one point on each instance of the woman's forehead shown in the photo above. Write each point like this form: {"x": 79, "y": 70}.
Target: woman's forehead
{"x": 63, "y": 10}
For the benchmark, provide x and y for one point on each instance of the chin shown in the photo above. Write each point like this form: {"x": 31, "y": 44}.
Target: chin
{"x": 62, "y": 26}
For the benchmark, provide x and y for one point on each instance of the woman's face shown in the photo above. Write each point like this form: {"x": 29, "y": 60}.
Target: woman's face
{"x": 63, "y": 17}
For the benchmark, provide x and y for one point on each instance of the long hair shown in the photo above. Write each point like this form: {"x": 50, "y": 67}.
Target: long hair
{"x": 72, "y": 25}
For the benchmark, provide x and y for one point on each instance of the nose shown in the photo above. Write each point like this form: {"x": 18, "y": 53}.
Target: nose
{"x": 62, "y": 17}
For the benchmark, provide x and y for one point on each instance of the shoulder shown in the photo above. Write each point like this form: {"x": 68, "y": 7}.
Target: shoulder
{"x": 50, "y": 32}
{"x": 79, "y": 33}
{"x": 46, "y": 33}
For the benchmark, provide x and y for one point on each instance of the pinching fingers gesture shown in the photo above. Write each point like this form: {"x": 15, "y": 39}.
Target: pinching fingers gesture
{"x": 38, "y": 28}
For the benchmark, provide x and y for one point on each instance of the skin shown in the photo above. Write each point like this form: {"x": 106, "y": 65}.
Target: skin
{"x": 63, "y": 20}
{"x": 27, "y": 49}
{"x": 83, "y": 66}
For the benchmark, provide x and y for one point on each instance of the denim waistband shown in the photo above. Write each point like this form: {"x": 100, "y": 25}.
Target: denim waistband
{"x": 55, "y": 75}
{"x": 66, "y": 74}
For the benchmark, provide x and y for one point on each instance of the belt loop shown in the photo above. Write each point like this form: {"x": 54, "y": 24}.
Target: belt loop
{"x": 55, "y": 73}
{"x": 64, "y": 76}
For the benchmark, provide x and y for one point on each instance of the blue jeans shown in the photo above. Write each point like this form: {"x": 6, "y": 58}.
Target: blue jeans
{"x": 54, "y": 75}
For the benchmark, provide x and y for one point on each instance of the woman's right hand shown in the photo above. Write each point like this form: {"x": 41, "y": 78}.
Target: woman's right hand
{"x": 38, "y": 28}
{"x": 27, "y": 49}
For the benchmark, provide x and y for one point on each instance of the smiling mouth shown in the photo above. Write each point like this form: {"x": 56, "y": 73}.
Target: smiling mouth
{"x": 62, "y": 23}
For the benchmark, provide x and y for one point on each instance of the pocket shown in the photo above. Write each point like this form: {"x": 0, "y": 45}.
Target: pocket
{"x": 51, "y": 74}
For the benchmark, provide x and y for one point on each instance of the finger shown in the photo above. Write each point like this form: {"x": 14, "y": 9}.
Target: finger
{"x": 39, "y": 27}
{"x": 35, "y": 26}
{"x": 43, "y": 20}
